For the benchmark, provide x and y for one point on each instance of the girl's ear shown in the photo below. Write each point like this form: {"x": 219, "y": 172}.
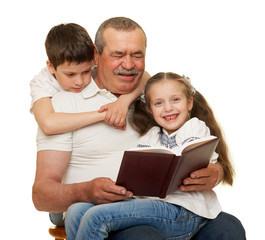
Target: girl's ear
{"x": 50, "y": 67}
{"x": 190, "y": 103}
{"x": 149, "y": 110}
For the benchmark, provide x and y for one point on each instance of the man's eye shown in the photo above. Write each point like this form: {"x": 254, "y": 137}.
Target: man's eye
{"x": 137, "y": 56}
{"x": 117, "y": 55}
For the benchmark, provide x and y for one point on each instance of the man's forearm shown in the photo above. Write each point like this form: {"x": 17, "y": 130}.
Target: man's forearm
{"x": 52, "y": 196}
{"x": 220, "y": 172}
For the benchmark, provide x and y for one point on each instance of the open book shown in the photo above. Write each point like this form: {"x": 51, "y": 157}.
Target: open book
{"x": 158, "y": 172}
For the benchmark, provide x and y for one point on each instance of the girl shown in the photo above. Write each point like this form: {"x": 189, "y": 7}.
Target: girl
{"x": 144, "y": 119}
{"x": 168, "y": 117}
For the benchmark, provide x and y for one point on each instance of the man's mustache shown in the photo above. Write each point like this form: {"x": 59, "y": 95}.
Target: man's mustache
{"x": 125, "y": 71}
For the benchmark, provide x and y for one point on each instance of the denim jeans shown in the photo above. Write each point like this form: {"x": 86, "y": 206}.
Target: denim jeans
{"x": 88, "y": 221}
{"x": 224, "y": 227}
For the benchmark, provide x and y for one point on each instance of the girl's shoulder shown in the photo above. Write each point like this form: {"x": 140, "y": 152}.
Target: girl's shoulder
{"x": 150, "y": 138}
{"x": 152, "y": 133}
{"x": 192, "y": 129}
{"x": 195, "y": 123}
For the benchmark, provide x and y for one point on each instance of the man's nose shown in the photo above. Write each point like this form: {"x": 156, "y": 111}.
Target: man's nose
{"x": 127, "y": 62}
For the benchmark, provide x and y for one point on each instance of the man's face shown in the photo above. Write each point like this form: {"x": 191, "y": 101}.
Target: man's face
{"x": 72, "y": 77}
{"x": 122, "y": 62}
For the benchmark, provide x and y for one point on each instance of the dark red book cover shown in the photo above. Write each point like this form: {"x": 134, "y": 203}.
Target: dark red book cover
{"x": 158, "y": 174}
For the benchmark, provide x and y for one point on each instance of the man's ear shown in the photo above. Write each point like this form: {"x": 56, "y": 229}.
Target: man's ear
{"x": 50, "y": 67}
{"x": 96, "y": 54}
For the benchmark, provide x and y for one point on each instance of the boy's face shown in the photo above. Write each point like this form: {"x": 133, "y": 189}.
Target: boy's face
{"x": 122, "y": 62}
{"x": 72, "y": 77}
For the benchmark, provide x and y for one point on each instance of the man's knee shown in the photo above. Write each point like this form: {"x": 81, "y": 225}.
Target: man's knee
{"x": 57, "y": 219}
{"x": 225, "y": 226}
{"x": 137, "y": 232}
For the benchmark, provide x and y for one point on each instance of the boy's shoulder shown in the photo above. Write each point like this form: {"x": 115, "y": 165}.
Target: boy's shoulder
{"x": 46, "y": 80}
{"x": 45, "y": 74}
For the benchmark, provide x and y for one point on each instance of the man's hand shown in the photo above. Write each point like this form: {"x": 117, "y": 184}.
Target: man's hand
{"x": 203, "y": 179}
{"x": 104, "y": 190}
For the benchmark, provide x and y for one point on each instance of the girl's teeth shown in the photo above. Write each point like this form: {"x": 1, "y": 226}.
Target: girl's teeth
{"x": 171, "y": 117}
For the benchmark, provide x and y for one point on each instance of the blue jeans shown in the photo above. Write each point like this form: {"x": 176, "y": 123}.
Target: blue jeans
{"x": 224, "y": 227}
{"x": 89, "y": 221}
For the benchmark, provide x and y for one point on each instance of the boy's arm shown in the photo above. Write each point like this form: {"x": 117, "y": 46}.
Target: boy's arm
{"x": 117, "y": 111}
{"x": 51, "y": 122}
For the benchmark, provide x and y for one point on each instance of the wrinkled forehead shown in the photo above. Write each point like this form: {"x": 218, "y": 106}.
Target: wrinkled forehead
{"x": 133, "y": 39}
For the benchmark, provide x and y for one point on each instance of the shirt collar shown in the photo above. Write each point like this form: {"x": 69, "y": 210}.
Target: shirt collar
{"x": 92, "y": 89}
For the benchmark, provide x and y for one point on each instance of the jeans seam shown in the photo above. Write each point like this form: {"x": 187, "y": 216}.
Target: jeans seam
{"x": 180, "y": 215}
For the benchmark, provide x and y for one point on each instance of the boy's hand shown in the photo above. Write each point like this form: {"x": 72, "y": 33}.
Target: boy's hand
{"x": 116, "y": 114}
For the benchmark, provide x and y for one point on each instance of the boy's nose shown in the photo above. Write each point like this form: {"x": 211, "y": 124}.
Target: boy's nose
{"x": 78, "y": 80}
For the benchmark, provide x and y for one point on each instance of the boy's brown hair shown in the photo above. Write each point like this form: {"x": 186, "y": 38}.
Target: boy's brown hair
{"x": 68, "y": 43}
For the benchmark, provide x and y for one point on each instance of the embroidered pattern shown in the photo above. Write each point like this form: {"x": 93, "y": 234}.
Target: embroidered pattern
{"x": 169, "y": 142}
{"x": 142, "y": 146}
{"x": 190, "y": 139}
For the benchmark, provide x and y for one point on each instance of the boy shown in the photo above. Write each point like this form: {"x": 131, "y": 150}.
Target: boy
{"x": 70, "y": 52}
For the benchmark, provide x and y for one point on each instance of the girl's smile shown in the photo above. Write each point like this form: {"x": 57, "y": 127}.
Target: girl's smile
{"x": 169, "y": 104}
{"x": 171, "y": 117}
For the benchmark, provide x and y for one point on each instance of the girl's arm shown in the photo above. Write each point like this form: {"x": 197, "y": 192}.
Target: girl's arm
{"x": 55, "y": 123}
{"x": 117, "y": 111}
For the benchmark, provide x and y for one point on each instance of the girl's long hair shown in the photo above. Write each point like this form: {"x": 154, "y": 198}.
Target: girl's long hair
{"x": 142, "y": 120}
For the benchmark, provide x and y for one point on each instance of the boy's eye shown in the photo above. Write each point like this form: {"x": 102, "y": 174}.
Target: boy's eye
{"x": 70, "y": 74}
{"x": 86, "y": 72}
{"x": 175, "y": 99}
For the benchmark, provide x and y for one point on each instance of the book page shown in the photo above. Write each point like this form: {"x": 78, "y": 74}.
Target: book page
{"x": 185, "y": 147}
{"x": 194, "y": 143}
{"x": 153, "y": 149}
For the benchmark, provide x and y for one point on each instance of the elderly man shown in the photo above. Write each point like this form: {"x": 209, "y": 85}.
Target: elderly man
{"x": 82, "y": 166}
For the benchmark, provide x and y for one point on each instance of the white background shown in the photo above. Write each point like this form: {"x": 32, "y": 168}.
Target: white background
{"x": 220, "y": 45}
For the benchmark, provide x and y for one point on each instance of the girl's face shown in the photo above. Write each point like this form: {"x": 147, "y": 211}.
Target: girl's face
{"x": 169, "y": 104}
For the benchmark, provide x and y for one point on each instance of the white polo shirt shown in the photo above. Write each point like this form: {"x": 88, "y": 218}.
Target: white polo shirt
{"x": 43, "y": 85}
{"x": 97, "y": 150}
